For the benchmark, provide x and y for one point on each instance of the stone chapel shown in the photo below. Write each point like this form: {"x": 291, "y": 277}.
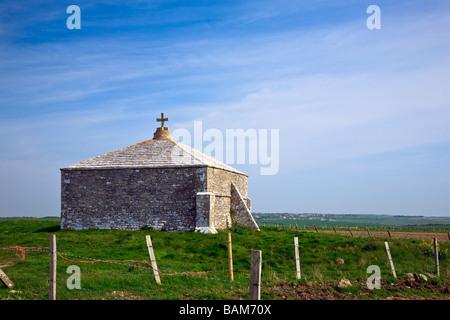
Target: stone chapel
{"x": 159, "y": 184}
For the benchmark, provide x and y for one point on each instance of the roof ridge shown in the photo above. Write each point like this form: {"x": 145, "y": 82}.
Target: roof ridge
{"x": 190, "y": 149}
{"x": 153, "y": 153}
{"x": 216, "y": 163}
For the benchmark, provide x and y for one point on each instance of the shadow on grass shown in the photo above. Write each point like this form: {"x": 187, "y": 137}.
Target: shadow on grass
{"x": 49, "y": 229}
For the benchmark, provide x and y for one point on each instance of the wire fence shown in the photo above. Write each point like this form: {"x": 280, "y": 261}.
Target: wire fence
{"x": 341, "y": 227}
{"x": 400, "y": 232}
{"x": 19, "y": 251}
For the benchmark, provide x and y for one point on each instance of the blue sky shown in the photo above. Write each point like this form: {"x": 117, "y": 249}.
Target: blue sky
{"x": 363, "y": 115}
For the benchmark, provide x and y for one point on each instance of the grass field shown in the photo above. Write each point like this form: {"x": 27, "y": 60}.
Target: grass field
{"x": 372, "y": 221}
{"x": 194, "y": 266}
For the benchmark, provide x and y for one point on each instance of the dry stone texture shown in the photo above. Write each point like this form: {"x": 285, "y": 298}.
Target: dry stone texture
{"x": 157, "y": 183}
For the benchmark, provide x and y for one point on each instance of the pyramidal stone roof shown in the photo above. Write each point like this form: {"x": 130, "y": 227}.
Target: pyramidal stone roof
{"x": 159, "y": 152}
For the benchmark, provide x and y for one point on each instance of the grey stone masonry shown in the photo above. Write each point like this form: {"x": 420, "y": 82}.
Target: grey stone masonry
{"x": 241, "y": 214}
{"x": 158, "y": 183}
{"x": 219, "y": 182}
{"x": 161, "y": 198}
{"x": 205, "y": 212}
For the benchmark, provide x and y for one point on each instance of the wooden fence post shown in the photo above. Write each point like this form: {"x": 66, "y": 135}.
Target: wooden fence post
{"x": 52, "y": 282}
{"x": 350, "y": 231}
{"x": 389, "y": 233}
{"x": 255, "y": 275}
{"x": 316, "y": 229}
{"x": 152, "y": 259}
{"x": 436, "y": 256}
{"x": 390, "y": 260}
{"x": 230, "y": 257}
{"x": 297, "y": 259}
{"x": 334, "y": 229}
{"x": 368, "y": 231}
{"x": 6, "y": 281}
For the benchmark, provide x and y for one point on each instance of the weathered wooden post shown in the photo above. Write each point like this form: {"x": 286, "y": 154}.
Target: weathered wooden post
{"x": 255, "y": 275}
{"x": 6, "y": 281}
{"x": 297, "y": 259}
{"x": 152, "y": 259}
{"x": 368, "y": 231}
{"x": 436, "y": 256}
{"x": 230, "y": 257}
{"x": 52, "y": 282}
{"x": 334, "y": 228}
{"x": 390, "y": 260}
{"x": 350, "y": 231}
{"x": 388, "y": 233}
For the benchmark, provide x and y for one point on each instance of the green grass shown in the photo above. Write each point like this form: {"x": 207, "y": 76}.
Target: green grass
{"x": 373, "y": 221}
{"x": 181, "y": 252}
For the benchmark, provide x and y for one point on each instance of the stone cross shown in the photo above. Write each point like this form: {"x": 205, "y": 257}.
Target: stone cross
{"x": 162, "y": 119}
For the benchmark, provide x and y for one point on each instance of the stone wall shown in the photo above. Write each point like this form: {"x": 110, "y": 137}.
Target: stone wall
{"x": 219, "y": 182}
{"x": 162, "y": 198}
{"x": 205, "y": 212}
{"x": 241, "y": 213}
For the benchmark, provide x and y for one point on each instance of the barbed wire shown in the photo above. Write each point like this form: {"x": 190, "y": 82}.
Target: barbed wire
{"x": 93, "y": 260}
{"x": 28, "y": 279}
{"x": 19, "y": 248}
{"x": 166, "y": 272}
{"x": 169, "y": 272}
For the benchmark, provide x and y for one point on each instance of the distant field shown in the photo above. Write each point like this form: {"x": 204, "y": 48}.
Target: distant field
{"x": 405, "y": 223}
{"x": 29, "y": 218}
{"x": 387, "y": 220}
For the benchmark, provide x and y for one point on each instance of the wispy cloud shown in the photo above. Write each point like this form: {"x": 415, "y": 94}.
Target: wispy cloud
{"x": 336, "y": 90}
